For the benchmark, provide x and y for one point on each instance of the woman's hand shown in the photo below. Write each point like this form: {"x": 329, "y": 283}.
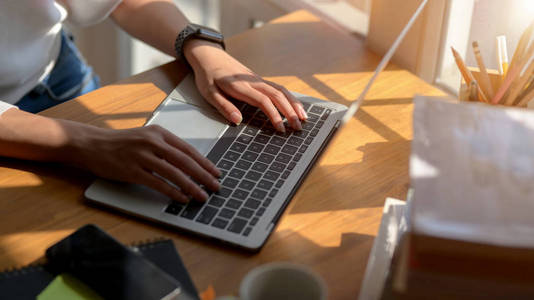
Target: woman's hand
{"x": 219, "y": 76}
{"x": 145, "y": 156}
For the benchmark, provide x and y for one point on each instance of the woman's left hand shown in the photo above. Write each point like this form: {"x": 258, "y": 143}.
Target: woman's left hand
{"x": 219, "y": 76}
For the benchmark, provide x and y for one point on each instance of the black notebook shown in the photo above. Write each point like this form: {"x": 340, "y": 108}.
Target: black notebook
{"x": 28, "y": 282}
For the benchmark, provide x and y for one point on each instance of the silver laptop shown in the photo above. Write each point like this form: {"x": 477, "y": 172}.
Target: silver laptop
{"x": 262, "y": 169}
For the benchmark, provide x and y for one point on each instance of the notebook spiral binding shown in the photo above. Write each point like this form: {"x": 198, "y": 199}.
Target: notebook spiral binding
{"x": 39, "y": 265}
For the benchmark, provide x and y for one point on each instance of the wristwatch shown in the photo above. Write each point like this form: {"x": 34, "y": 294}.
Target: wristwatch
{"x": 195, "y": 31}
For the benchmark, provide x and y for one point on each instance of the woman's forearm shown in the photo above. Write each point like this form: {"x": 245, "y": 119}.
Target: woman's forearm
{"x": 157, "y": 23}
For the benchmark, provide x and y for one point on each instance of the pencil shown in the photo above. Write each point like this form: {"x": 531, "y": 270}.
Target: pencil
{"x": 526, "y": 98}
{"x": 522, "y": 45}
{"x": 485, "y": 82}
{"x": 510, "y": 77}
{"x": 517, "y": 85}
{"x": 466, "y": 74}
{"x": 473, "y": 91}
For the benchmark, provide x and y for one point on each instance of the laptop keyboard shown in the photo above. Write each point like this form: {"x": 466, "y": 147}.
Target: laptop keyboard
{"x": 255, "y": 160}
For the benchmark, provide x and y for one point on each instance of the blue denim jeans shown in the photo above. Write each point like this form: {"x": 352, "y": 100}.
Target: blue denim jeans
{"x": 70, "y": 78}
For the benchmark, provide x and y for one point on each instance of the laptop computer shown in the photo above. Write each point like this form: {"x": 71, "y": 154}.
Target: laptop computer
{"x": 262, "y": 169}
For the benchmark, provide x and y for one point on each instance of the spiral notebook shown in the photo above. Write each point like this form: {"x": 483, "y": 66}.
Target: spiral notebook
{"x": 29, "y": 281}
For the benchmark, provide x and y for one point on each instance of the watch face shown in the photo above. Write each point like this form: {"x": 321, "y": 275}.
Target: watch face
{"x": 210, "y": 34}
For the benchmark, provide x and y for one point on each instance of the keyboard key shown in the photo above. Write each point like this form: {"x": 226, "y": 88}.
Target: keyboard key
{"x": 254, "y": 221}
{"x": 312, "y": 118}
{"x": 264, "y": 184}
{"x": 219, "y": 223}
{"x": 268, "y": 129}
{"x": 301, "y": 134}
{"x": 295, "y": 141}
{"x": 297, "y": 157}
{"x": 314, "y": 132}
{"x": 262, "y": 139}
{"x": 258, "y": 194}
{"x": 174, "y": 208}
{"x": 283, "y": 158}
{"x": 278, "y": 141}
{"x": 247, "y": 185}
{"x": 291, "y": 165}
{"x": 252, "y": 203}
{"x": 237, "y": 225}
{"x": 261, "y": 115}
{"x": 223, "y": 192}
{"x": 245, "y": 139}
{"x": 308, "y": 140}
{"x": 216, "y": 201}
{"x": 285, "y": 175}
{"x": 257, "y": 122}
{"x": 272, "y": 149}
{"x": 238, "y": 147}
{"x": 289, "y": 149}
{"x": 267, "y": 202}
{"x": 306, "y": 105}
{"x": 225, "y": 165}
{"x": 230, "y": 182}
{"x": 232, "y": 156}
{"x": 223, "y": 174}
{"x": 249, "y": 155}
{"x": 273, "y": 192}
{"x": 260, "y": 212}
{"x": 317, "y": 109}
{"x": 319, "y": 124}
{"x": 326, "y": 114}
{"x": 247, "y": 231}
{"x": 240, "y": 194}
{"x": 191, "y": 210}
{"x": 279, "y": 183}
{"x": 303, "y": 148}
{"x": 252, "y": 175}
{"x": 245, "y": 213}
{"x": 237, "y": 173}
{"x": 243, "y": 164}
{"x": 277, "y": 167}
{"x": 233, "y": 204}
{"x": 255, "y": 147}
{"x": 249, "y": 109}
{"x": 226, "y": 213}
{"x": 266, "y": 158}
{"x": 259, "y": 166}
{"x": 307, "y": 126}
{"x": 270, "y": 175}
{"x": 207, "y": 215}
{"x": 250, "y": 130}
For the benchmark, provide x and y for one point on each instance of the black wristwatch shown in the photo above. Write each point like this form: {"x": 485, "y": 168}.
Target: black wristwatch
{"x": 195, "y": 31}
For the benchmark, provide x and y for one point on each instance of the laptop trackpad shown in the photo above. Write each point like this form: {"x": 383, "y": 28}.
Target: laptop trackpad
{"x": 199, "y": 127}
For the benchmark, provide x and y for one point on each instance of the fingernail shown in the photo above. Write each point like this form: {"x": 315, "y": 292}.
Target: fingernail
{"x": 303, "y": 112}
{"x": 215, "y": 184}
{"x": 280, "y": 127}
{"x": 236, "y": 118}
{"x": 203, "y": 196}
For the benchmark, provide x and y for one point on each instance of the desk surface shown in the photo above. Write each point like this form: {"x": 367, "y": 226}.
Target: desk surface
{"x": 332, "y": 220}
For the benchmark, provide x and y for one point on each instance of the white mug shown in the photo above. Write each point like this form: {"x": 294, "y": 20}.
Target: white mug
{"x": 280, "y": 281}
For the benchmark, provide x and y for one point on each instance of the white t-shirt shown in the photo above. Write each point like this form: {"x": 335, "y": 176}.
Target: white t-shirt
{"x": 30, "y": 39}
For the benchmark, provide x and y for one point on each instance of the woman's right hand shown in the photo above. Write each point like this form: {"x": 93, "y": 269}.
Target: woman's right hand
{"x": 145, "y": 155}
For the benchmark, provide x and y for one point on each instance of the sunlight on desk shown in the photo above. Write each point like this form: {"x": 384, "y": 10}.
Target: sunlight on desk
{"x": 24, "y": 179}
{"x": 15, "y": 248}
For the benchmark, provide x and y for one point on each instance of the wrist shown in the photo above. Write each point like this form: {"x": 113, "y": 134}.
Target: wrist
{"x": 197, "y": 50}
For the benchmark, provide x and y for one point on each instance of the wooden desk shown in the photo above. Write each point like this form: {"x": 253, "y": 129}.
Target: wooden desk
{"x": 330, "y": 223}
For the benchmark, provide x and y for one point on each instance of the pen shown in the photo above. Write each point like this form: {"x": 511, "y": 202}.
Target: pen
{"x": 502, "y": 55}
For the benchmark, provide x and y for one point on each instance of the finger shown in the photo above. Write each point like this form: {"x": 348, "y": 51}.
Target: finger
{"x": 178, "y": 143}
{"x": 224, "y": 106}
{"x": 147, "y": 178}
{"x": 176, "y": 176}
{"x": 296, "y": 104}
{"x": 245, "y": 92}
{"x": 190, "y": 167}
{"x": 281, "y": 102}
